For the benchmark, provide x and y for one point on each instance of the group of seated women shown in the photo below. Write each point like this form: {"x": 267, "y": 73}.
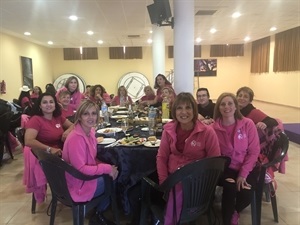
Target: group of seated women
{"x": 232, "y": 132}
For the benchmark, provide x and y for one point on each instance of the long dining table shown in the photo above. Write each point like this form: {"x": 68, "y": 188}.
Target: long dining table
{"x": 133, "y": 162}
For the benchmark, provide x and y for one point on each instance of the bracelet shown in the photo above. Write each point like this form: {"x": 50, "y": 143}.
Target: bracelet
{"x": 48, "y": 149}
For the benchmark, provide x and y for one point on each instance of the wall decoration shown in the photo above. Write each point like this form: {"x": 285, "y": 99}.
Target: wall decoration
{"x": 205, "y": 67}
{"x": 27, "y": 73}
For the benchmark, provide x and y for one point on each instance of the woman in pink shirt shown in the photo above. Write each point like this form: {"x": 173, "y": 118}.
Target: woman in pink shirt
{"x": 80, "y": 150}
{"x": 183, "y": 141}
{"x": 122, "y": 99}
{"x": 238, "y": 139}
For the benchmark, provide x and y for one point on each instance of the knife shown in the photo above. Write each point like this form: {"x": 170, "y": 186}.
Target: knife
{"x": 111, "y": 145}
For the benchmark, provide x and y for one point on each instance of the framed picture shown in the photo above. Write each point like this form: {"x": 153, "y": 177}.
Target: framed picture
{"x": 26, "y": 64}
{"x": 205, "y": 67}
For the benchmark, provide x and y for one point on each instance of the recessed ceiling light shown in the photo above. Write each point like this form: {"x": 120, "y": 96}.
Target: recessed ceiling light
{"x": 50, "y": 42}
{"x": 150, "y": 31}
{"x": 213, "y": 30}
{"x": 247, "y": 38}
{"x": 149, "y": 41}
{"x": 198, "y": 40}
{"x": 73, "y": 17}
{"x": 27, "y": 33}
{"x": 90, "y": 32}
{"x": 236, "y": 15}
{"x": 100, "y": 42}
{"x": 273, "y": 28}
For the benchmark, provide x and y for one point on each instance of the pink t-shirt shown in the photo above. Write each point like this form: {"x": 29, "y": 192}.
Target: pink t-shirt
{"x": 49, "y": 131}
{"x": 67, "y": 112}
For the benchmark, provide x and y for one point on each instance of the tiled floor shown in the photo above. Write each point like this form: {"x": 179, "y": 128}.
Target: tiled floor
{"x": 15, "y": 204}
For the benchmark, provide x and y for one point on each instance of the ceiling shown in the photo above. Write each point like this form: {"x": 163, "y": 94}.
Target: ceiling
{"x": 113, "y": 21}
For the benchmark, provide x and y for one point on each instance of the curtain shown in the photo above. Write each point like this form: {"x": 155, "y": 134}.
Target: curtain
{"x": 197, "y": 51}
{"x": 130, "y": 53}
{"x": 74, "y": 53}
{"x": 260, "y": 55}
{"x": 226, "y": 50}
{"x": 287, "y": 51}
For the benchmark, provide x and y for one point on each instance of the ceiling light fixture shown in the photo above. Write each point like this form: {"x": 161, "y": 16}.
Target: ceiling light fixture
{"x": 236, "y": 15}
{"x": 198, "y": 40}
{"x": 149, "y": 41}
{"x": 27, "y": 33}
{"x": 90, "y": 32}
{"x": 73, "y": 17}
{"x": 273, "y": 28}
{"x": 247, "y": 38}
{"x": 213, "y": 30}
{"x": 50, "y": 42}
{"x": 100, "y": 42}
{"x": 80, "y": 49}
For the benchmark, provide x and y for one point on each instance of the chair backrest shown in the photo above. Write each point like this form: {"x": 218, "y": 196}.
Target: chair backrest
{"x": 55, "y": 169}
{"x": 279, "y": 150}
{"x": 20, "y": 135}
{"x": 199, "y": 180}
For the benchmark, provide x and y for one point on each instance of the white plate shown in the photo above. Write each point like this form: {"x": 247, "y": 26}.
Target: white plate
{"x": 145, "y": 129}
{"x": 109, "y": 130}
{"x": 142, "y": 142}
{"x": 148, "y": 144}
{"x": 119, "y": 116}
{"x": 107, "y": 141}
{"x": 122, "y": 112}
{"x": 166, "y": 120}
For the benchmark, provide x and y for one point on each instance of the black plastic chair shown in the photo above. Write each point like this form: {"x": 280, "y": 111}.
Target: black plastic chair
{"x": 279, "y": 151}
{"x": 5, "y": 119}
{"x": 198, "y": 179}
{"x": 55, "y": 169}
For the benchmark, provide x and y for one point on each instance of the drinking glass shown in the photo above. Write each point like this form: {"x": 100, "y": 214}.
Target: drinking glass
{"x": 124, "y": 125}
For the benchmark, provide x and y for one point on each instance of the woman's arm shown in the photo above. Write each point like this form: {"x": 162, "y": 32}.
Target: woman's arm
{"x": 68, "y": 127}
{"x": 32, "y": 142}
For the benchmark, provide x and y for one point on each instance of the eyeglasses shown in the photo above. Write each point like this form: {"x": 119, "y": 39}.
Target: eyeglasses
{"x": 201, "y": 96}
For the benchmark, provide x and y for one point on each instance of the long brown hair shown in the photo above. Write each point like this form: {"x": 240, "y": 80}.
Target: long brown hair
{"x": 217, "y": 113}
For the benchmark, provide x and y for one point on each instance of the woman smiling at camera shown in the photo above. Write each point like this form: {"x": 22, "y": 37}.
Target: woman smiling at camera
{"x": 80, "y": 150}
{"x": 238, "y": 139}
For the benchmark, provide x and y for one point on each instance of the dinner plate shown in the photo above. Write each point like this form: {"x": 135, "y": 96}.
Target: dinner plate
{"x": 145, "y": 129}
{"x": 148, "y": 144}
{"x": 122, "y": 112}
{"x": 166, "y": 120}
{"x": 109, "y": 130}
{"x": 107, "y": 141}
{"x": 119, "y": 116}
{"x": 131, "y": 144}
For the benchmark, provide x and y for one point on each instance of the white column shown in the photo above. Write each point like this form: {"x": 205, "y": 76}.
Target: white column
{"x": 184, "y": 46}
{"x": 158, "y": 50}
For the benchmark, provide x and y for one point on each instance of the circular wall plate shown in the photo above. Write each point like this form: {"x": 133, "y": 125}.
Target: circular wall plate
{"x": 61, "y": 80}
{"x": 134, "y": 83}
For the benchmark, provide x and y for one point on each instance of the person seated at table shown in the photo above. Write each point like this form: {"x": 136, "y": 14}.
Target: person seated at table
{"x": 35, "y": 94}
{"x": 24, "y": 99}
{"x": 122, "y": 99}
{"x": 87, "y": 91}
{"x": 205, "y": 105}
{"x": 80, "y": 150}
{"x": 98, "y": 95}
{"x": 64, "y": 99}
{"x": 184, "y": 140}
{"x": 49, "y": 88}
{"x": 160, "y": 82}
{"x": 238, "y": 139}
{"x": 72, "y": 85}
{"x": 245, "y": 97}
{"x": 45, "y": 130}
{"x": 149, "y": 95}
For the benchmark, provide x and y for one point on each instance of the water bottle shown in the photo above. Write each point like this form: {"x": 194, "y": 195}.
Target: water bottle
{"x": 165, "y": 108}
{"x": 105, "y": 112}
{"x": 152, "y": 120}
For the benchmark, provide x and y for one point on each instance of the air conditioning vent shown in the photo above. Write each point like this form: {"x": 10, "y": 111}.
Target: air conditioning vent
{"x": 133, "y": 36}
{"x": 205, "y": 12}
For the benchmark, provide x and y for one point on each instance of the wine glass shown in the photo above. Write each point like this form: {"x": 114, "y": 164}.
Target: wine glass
{"x": 124, "y": 126}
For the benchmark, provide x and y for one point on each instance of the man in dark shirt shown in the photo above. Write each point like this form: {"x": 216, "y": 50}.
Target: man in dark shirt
{"x": 205, "y": 105}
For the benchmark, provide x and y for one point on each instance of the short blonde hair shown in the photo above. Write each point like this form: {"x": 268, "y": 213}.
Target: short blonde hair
{"x": 85, "y": 105}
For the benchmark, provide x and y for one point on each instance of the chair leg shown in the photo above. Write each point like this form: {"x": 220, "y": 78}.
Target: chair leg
{"x": 78, "y": 215}
{"x": 33, "y": 204}
{"x": 253, "y": 209}
{"x": 7, "y": 144}
{"x": 273, "y": 201}
{"x": 267, "y": 192}
{"x": 114, "y": 206}
{"x": 53, "y": 210}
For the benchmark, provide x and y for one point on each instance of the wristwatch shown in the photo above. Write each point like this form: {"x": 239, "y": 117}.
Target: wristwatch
{"x": 48, "y": 149}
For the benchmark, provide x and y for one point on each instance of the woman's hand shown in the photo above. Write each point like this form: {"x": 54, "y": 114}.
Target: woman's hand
{"x": 242, "y": 184}
{"x": 261, "y": 125}
{"x": 55, "y": 151}
{"x": 114, "y": 172}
